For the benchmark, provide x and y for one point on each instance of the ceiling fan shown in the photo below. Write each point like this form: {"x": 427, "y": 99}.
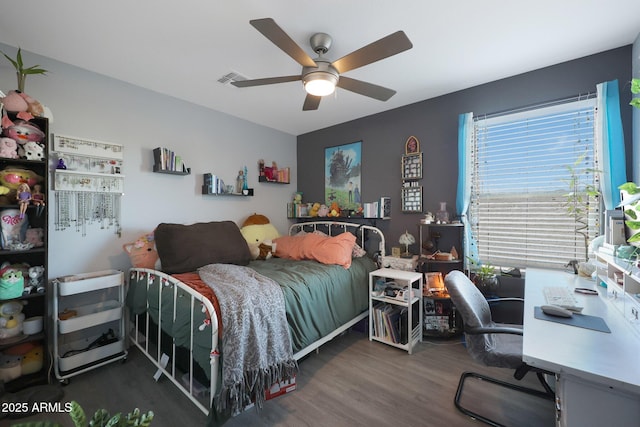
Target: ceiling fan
{"x": 320, "y": 76}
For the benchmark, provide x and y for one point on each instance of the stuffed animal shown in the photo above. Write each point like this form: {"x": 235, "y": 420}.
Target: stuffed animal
{"x": 35, "y": 236}
{"x": 323, "y": 211}
{"x": 23, "y": 104}
{"x": 11, "y": 319}
{"x": 21, "y": 131}
{"x": 33, "y": 360}
{"x": 8, "y": 148}
{"x": 31, "y": 150}
{"x": 10, "y": 367}
{"x": 258, "y": 230}
{"x": 10, "y": 180}
{"x": 142, "y": 252}
{"x": 36, "y": 276}
{"x": 11, "y": 284}
{"x": 334, "y": 210}
{"x": 314, "y": 209}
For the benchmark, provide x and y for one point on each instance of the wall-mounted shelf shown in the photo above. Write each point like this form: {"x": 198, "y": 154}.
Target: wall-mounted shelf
{"x": 249, "y": 193}
{"x": 166, "y": 161}
{"x": 264, "y": 179}
{"x": 157, "y": 169}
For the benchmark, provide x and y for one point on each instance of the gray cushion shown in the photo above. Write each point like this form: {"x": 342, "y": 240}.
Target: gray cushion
{"x": 184, "y": 248}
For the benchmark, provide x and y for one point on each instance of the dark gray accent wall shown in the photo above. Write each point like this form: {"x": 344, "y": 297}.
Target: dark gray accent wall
{"x": 435, "y": 123}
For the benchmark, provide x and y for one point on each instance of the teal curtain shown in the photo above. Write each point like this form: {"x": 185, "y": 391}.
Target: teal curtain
{"x": 612, "y": 163}
{"x": 463, "y": 196}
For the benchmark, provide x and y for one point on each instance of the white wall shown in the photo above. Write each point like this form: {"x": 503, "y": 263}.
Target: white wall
{"x": 88, "y": 105}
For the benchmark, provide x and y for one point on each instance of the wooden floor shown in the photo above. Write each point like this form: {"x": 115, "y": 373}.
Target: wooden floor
{"x": 350, "y": 382}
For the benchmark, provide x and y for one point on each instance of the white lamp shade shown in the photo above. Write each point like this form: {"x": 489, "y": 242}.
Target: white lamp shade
{"x": 320, "y": 84}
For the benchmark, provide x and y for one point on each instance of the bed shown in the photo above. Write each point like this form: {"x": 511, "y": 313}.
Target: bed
{"x": 176, "y": 320}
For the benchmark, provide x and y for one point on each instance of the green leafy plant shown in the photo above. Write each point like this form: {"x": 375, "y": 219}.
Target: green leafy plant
{"x": 578, "y": 197}
{"x": 632, "y": 211}
{"x": 635, "y": 89}
{"x": 21, "y": 71}
{"x": 101, "y": 418}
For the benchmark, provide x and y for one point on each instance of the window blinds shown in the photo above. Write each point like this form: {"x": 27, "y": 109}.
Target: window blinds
{"x": 529, "y": 205}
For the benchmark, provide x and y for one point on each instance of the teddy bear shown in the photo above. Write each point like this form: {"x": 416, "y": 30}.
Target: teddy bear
{"x": 8, "y": 148}
{"x": 259, "y": 234}
{"x": 31, "y": 150}
{"x": 36, "y": 275}
{"x": 21, "y": 131}
{"x": 142, "y": 252}
{"x": 11, "y": 319}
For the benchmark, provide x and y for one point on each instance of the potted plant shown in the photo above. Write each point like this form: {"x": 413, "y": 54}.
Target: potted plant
{"x": 485, "y": 277}
{"x": 21, "y": 71}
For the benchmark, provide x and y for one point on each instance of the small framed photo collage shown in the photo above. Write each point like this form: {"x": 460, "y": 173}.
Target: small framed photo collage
{"x": 411, "y": 173}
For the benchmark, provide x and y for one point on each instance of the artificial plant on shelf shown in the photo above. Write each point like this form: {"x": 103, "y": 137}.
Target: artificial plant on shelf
{"x": 21, "y": 71}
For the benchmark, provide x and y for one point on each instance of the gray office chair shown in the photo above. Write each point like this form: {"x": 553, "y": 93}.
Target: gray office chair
{"x": 490, "y": 343}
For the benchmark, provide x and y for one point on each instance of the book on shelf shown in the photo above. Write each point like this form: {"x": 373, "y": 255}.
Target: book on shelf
{"x": 167, "y": 160}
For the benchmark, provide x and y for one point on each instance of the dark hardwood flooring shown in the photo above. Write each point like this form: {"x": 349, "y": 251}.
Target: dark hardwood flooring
{"x": 350, "y": 382}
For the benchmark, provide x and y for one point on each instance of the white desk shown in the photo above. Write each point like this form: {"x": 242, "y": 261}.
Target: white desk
{"x": 598, "y": 373}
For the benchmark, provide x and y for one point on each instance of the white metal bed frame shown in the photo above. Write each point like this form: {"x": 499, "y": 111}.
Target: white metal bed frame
{"x": 152, "y": 349}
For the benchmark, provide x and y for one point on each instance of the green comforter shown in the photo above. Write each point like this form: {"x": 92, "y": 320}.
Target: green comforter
{"x": 319, "y": 298}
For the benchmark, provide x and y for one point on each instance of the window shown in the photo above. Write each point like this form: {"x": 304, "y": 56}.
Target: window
{"x": 533, "y": 173}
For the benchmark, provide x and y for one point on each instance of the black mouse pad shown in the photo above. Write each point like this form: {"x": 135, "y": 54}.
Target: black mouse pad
{"x": 579, "y": 320}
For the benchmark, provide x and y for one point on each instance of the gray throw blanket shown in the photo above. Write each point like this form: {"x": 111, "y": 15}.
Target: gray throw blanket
{"x": 256, "y": 347}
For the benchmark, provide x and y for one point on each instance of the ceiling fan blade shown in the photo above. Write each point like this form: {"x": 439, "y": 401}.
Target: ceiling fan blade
{"x": 383, "y": 48}
{"x": 311, "y": 102}
{"x": 271, "y": 30}
{"x": 367, "y": 89}
{"x": 265, "y": 81}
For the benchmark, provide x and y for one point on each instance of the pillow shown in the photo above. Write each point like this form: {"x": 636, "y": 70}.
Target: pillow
{"x": 357, "y": 252}
{"x": 314, "y": 246}
{"x": 184, "y": 248}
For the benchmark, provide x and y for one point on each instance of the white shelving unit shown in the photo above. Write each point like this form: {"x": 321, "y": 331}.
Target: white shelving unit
{"x": 94, "y": 334}
{"x": 396, "y": 321}
{"x": 622, "y": 278}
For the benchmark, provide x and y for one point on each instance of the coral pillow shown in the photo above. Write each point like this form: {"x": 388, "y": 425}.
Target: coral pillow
{"x": 324, "y": 249}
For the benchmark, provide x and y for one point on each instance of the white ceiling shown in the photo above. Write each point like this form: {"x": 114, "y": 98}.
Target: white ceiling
{"x": 181, "y": 48}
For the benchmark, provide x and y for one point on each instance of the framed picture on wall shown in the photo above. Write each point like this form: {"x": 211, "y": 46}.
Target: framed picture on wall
{"x": 412, "y": 146}
{"x": 412, "y": 199}
{"x": 343, "y": 164}
{"x": 412, "y": 166}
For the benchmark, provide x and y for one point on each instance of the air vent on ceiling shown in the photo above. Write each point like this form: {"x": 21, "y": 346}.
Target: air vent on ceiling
{"x": 231, "y": 77}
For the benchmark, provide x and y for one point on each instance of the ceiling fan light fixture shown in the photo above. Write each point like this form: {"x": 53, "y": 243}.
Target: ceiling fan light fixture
{"x": 320, "y": 83}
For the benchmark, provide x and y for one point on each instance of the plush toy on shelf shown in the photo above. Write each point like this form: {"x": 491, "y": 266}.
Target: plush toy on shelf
{"x": 11, "y": 284}
{"x": 11, "y": 319}
{"x": 8, "y": 148}
{"x": 142, "y": 252}
{"x": 259, "y": 234}
{"x": 314, "y": 209}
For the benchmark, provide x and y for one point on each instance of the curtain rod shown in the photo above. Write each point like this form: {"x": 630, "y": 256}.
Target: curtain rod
{"x": 560, "y": 101}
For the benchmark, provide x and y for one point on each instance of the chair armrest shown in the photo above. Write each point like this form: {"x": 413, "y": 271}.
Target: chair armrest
{"x": 505, "y": 300}
{"x": 494, "y": 330}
